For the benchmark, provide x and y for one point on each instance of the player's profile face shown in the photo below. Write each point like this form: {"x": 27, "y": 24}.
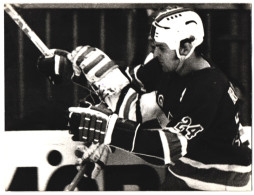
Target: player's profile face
{"x": 167, "y": 57}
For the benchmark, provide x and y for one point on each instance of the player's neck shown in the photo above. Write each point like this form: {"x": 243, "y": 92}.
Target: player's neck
{"x": 193, "y": 63}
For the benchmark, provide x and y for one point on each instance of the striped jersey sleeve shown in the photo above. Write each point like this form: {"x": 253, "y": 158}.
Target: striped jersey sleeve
{"x": 155, "y": 145}
{"x": 207, "y": 171}
{"x": 220, "y": 176}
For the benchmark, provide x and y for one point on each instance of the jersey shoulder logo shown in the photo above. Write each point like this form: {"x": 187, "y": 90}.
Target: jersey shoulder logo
{"x": 186, "y": 128}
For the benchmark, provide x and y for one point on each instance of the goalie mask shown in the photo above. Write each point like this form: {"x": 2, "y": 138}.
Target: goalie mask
{"x": 171, "y": 26}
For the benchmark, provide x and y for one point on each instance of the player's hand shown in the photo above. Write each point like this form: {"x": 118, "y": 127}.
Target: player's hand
{"x": 54, "y": 67}
{"x": 95, "y": 160}
{"x": 92, "y": 62}
{"x": 91, "y": 124}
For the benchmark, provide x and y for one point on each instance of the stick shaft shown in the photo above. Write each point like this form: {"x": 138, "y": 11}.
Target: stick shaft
{"x": 27, "y": 30}
{"x": 77, "y": 178}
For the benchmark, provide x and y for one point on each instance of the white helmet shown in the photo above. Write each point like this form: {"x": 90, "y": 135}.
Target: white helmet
{"x": 173, "y": 25}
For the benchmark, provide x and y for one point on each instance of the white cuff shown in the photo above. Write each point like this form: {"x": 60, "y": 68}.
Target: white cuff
{"x": 165, "y": 146}
{"x": 57, "y": 64}
{"x": 111, "y": 125}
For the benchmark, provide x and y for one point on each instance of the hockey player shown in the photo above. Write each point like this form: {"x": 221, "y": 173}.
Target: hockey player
{"x": 176, "y": 110}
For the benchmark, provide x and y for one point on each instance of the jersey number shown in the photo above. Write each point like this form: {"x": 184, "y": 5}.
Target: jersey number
{"x": 188, "y": 130}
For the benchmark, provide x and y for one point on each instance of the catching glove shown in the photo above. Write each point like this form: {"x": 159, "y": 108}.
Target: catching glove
{"x": 54, "y": 67}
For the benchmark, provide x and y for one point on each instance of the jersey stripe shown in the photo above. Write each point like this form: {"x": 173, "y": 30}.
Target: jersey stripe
{"x": 177, "y": 143}
{"x": 134, "y": 139}
{"x": 129, "y": 102}
{"x": 121, "y": 98}
{"x": 57, "y": 64}
{"x": 138, "y": 110}
{"x": 209, "y": 174}
{"x": 222, "y": 167}
{"x": 209, "y": 186}
{"x": 174, "y": 145}
{"x": 132, "y": 73}
{"x": 165, "y": 146}
{"x": 184, "y": 144}
{"x": 126, "y": 103}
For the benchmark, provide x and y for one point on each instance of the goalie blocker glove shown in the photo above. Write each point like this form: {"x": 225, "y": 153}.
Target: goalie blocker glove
{"x": 56, "y": 67}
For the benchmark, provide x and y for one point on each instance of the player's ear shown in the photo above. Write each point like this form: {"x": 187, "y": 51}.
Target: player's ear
{"x": 185, "y": 46}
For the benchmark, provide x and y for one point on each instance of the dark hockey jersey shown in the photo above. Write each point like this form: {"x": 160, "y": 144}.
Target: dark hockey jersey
{"x": 201, "y": 141}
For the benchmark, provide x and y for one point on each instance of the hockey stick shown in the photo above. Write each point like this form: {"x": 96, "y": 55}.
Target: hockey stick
{"x": 32, "y": 35}
{"x": 74, "y": 183}
{"x": 27, "y": 30}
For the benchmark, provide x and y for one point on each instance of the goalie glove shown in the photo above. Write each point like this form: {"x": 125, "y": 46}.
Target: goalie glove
{"x": 55, "y": 67}
{"x": 102, "y": 73}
